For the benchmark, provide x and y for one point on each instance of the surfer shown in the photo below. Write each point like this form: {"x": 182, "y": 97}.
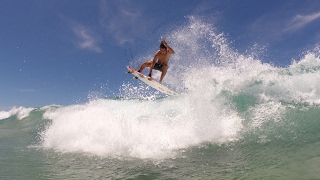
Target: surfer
{"x": 160, "y": 60}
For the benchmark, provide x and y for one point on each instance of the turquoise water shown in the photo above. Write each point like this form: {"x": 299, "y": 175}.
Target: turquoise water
{"x": 285, "y": 149}
{"x": 238, "y": 118}
{"x": 122, "y": 139}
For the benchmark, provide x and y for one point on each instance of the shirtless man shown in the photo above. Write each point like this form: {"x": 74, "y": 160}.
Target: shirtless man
{"x": 160, "y": 60}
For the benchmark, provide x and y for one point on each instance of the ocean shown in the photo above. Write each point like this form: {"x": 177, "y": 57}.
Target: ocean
{"x": 237, "y": 118}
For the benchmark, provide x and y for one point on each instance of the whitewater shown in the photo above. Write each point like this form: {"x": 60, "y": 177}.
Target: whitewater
{"x": 238, "y": 118}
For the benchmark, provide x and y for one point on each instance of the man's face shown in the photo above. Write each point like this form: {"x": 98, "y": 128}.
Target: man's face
{"x": 163, "y": 50}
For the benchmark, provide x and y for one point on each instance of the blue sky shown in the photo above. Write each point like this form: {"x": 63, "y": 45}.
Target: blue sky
{"x": 61, "y": 52}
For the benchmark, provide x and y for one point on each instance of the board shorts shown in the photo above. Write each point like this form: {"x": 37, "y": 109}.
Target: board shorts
{"x": 158, "y": 67}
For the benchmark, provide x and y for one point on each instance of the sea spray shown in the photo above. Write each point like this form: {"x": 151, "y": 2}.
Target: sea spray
{"x": 144, "y": 129}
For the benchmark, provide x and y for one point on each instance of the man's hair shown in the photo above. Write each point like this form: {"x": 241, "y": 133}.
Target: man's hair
{"x": 162, "y": 46}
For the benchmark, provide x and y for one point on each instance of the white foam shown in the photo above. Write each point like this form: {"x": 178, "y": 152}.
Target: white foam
{"x": 144, "y": 129}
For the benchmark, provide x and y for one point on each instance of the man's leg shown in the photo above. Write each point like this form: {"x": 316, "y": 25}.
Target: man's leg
{"x": 164, "y": 72}
{"x": 144, "y": 65}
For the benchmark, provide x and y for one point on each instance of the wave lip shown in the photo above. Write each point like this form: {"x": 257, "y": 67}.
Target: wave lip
{"x": 20, "y": 112}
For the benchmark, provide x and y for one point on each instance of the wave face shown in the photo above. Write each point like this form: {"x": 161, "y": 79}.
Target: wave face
{"x": 235, "y": 110}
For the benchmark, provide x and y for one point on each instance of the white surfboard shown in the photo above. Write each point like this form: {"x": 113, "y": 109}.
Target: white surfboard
{"x": 149, "y": 81}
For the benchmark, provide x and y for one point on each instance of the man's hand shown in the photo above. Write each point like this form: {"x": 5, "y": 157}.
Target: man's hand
{"x": 168, "y": 47}
{"x": 164, "y": 41}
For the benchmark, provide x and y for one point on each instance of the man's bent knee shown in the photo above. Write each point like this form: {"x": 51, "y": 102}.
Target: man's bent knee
{"x": 164, "y": 67}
